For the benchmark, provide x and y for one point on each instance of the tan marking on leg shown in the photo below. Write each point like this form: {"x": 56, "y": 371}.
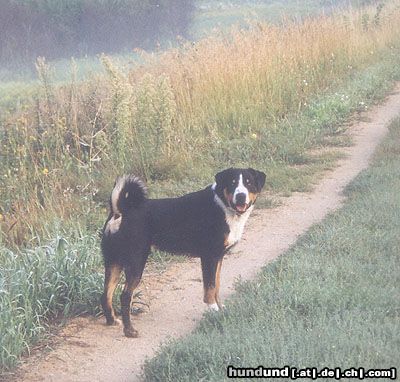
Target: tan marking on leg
{"x": 209, "y": 295}
{"x": 131, "y": 285}
{"x": 112, "y": 276}
{"x": 217, "y": 284}
{"x": 126, "y": 301}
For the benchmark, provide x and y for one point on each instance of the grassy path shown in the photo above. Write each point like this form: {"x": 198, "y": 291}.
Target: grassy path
{"x": 93, "y": 352}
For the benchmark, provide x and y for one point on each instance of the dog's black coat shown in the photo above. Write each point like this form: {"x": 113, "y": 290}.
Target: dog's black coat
{"x": 194, "y": 224}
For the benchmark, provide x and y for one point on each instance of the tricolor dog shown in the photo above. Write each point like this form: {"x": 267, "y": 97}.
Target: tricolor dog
{"x": 202, "y": 224}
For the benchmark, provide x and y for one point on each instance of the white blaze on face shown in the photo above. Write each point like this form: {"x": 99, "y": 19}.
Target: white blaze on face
{"x": 241, "y": 189}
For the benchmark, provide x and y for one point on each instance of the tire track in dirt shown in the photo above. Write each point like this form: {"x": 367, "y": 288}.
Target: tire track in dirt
{"x": 90, "y": 351}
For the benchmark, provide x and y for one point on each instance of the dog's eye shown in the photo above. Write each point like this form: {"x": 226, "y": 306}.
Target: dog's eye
{"x": 233, "y": 181}
{"x": 248, "y": 181}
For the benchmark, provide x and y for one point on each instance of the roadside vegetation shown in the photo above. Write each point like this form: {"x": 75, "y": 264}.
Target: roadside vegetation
{"x": 261, "y": 97}
{"x": 330, "y": 301}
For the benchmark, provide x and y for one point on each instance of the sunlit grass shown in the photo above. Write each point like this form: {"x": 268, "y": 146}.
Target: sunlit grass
{"x": 331, "y": 301}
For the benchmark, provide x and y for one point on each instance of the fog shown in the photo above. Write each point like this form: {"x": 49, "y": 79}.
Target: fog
{"x": 58, "y": 29}
{"x": 64, "y": 28}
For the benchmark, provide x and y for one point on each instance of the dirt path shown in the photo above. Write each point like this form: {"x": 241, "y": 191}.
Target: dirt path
{"x": 93, "y": 352}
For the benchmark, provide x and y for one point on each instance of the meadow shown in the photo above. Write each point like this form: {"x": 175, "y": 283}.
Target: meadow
{"x": 331, "y": 301}
{"x": 262, "y": 96}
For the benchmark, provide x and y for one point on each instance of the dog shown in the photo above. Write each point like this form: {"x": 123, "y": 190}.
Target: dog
{"x": 202, "y": 224}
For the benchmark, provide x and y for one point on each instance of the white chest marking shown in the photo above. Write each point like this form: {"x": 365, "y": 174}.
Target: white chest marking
{"x": 236, "y": 226}
{"x": 235, "y": 222}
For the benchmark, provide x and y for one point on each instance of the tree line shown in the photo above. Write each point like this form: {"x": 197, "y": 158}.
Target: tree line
{"x": 64, "y": 28}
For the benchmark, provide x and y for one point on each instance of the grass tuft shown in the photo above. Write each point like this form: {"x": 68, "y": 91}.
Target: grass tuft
{"x": 56, "y": 280}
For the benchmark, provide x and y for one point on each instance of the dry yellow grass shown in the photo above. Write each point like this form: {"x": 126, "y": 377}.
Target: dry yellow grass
{"x": 63, "y": 147}
{"x": 250, "y": 76}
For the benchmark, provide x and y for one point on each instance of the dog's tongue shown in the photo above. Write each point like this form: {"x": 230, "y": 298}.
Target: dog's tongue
{"x": 241, "y": 208}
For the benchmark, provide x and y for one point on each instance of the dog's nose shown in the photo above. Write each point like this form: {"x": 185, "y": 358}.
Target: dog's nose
{"x": 240, "y": 199}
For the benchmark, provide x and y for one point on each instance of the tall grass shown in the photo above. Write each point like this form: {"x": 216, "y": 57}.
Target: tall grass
{"x": 224, "y": 100}
{"x": 53, "y": 280}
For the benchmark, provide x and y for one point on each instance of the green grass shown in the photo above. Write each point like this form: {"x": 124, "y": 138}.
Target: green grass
{"x": 223, "y": 14}
{"x": 60, "y": 275}
{"x": 330, "y": 301}
{"x": 52, "y": 281}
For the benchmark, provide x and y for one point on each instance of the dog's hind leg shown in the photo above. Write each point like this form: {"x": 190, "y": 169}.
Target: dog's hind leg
{"x": 132, "y": 281}
{"x": 211, "y": 267}
{"x": 112, "y": 275}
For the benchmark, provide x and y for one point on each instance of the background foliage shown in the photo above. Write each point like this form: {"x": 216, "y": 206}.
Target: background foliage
{"x": 63, "y": 28}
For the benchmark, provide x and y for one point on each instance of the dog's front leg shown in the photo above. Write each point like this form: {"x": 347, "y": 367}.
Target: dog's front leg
{"x": 211, "y": 269}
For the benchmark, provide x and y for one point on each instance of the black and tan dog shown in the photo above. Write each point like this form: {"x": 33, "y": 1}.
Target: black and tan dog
{"x": 201, "y": 224}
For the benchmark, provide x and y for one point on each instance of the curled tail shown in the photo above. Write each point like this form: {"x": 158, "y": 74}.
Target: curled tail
{"x": 129, "y": 192}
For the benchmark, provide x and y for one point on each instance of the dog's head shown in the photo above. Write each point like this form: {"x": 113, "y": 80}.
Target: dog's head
{"x": 238, "y": 188}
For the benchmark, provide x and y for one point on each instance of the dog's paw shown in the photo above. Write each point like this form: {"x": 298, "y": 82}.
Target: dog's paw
{"x": 116, "y": 322}
{"x": 213, "y": 307}
{"x": 113, "y": 322}
{"x": 131, "y": 333}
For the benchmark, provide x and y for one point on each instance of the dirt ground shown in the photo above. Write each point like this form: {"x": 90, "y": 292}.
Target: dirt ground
{"x": 90, "y": 351}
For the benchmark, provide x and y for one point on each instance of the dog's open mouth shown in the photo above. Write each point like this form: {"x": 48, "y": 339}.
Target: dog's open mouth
{"x": 241, "y": 208}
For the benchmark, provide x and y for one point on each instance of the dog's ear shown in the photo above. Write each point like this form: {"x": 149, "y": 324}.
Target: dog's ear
{"x": 259, "y": 176}
{"x": 221, "y": 176}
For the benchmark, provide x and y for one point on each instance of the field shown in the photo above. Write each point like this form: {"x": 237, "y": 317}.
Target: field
{"x": 210, "y": 16}
{"x": 331, "y": 301}
{"x": 261, "y": 96}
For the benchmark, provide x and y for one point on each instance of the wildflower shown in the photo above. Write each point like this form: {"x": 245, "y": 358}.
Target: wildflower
{"x": 45, "y": 171}
{"x": 254, "y": 136}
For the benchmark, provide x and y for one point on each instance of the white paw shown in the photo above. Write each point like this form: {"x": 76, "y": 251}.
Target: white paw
{"x": 117, "y": 322}
{"x": 213, "y": 307}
